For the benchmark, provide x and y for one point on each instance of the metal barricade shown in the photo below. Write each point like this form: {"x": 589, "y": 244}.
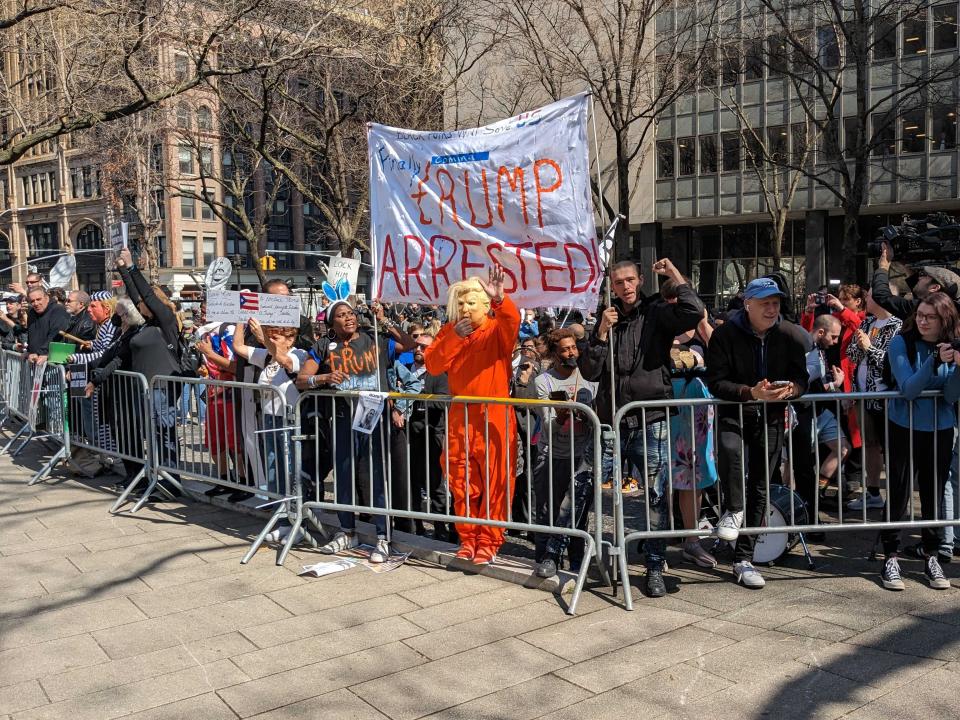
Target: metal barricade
{"x": 114, "y": 422}
{"x": 38, "y": 400}
{"x": 773, "y": 461}
{"x": 391, "y": 475}
{"x": 242, "y": 443}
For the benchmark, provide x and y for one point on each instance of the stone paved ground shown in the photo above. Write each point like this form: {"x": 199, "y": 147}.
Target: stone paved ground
{"x": 152, "y": 616}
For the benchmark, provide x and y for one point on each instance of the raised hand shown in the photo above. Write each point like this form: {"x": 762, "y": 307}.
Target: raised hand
{"x": 493, "y": 286}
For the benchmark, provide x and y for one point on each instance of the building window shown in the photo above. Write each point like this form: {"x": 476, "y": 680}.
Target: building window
{"x": 665, "y": 67}
{"x": 799, "y": 145}
{"x": 884, "y": 37}
{"x": 851, "y": 136}
{"x": 26, "y": 193}
{"x": 76, "y": 187}
{"x": 44, "y": 195}
{"x": 730, "y": 64}
{"x": 161, "y": 251}
{"x": 687, "y": 152}
{"x": 54, "y": 188}
{"x": 945, "y": 27}
{"x": 753, "y": 148}
{"x": 181, "y": 66}
{"x": 204, "y": 118}
{"x": 777, "y": 143}
{"x": 206, "y": 207}
{"x": 730, "y": 149}
{"x": 157, "y": 211}
{"x": 185, "y": 155}
{"x": 914, "y": 131}
{"x": 778, "y": 54}
{"x": 884, "y": 133}
{"x": 915, "y": 32}
{"x": 828, "y": 47}
{"x": 753, "y": 60}
{"x": 708, "y": 65}
{"x": 156, "y": 158}
{"x": 187, "y": 205}
{"x": 708, "y": 154}
{"x": 943, "y": 126}
{"x": 189, "y": 250}
{"x": 665, "y": 161}
{"x": 206, "y": 159}
{"x": 183, "y": 116}
{"x": 829, "y": 148}
{"x": 42, "y": 237}
{"x": 35, "y": 189}
{"x": 209, "y": 250}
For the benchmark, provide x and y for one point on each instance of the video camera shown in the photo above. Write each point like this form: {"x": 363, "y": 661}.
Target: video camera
{"x": 935, "y": 238}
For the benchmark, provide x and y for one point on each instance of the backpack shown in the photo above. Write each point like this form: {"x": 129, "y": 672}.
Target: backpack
{"x": 887, "y": 374}
{"x": 186, "y": 357}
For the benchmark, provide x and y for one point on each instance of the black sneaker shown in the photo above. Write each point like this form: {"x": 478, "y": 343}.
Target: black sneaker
{"x": 655, "y": 585}
{"x": 934, "y": 573}
{"x": 890, "y": 575}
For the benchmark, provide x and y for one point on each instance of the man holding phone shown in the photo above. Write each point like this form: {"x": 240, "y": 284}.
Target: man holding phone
{"x": 563, "y": 444}
{"x": 757, "y": 358}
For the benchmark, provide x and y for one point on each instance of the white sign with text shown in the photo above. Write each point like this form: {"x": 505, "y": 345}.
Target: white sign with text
{"x": 234, "y": 307}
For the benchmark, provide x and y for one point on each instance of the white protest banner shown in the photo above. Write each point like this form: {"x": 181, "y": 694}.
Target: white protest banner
{"x": 233, "y": 307}
{"x": 447, "y": 205}
{"x": 342, "y": 275}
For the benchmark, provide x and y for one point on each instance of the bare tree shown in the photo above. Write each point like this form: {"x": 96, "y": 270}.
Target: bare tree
{"x": 636, "y": 57}
{"x": 79, "y": 63}
{"x": 834, "y": 55}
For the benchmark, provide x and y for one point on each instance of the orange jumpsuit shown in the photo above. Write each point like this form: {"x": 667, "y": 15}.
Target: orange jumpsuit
{"x": 480, "y": 454}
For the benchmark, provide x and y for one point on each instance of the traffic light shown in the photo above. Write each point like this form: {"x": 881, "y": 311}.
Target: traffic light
{"x": 268, "y": 262}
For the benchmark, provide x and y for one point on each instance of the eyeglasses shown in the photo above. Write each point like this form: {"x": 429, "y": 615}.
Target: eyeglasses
{"x": 923, "y": 317}
{"x": 415, "y": 335}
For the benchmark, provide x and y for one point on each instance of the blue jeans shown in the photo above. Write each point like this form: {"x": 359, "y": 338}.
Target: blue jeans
{"x": 277, "y": 454}
{"x": 359, "y": 466}
{"x": 653, "y": 458}
{"x": 198, "y": 392}
{"x": 950, "y": 505}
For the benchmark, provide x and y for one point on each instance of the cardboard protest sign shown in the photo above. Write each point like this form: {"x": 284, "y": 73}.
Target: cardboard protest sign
{"x": 447, "y": 205}
{"x": 234, "y": 307}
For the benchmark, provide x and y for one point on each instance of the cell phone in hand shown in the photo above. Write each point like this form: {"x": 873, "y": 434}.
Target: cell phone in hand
{"x": 780, "y": 383}
{"x": 558, "y": 395}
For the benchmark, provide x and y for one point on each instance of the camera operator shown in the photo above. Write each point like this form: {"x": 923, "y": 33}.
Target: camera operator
{"x": 927, "y": 280}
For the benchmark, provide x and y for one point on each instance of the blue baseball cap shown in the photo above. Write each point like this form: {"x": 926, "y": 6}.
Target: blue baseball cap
{"x": 762, "y": 288}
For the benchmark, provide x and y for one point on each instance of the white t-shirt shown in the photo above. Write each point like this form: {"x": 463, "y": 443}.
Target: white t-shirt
{"x": 275, "y": 375}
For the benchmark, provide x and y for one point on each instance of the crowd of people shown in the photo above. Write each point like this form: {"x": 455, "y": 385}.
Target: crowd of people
{"x": 535, "y": 462}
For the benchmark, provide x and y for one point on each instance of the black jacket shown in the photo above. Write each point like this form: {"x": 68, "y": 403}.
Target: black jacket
{"x": 737, "y": 359}
{"x": 896, "y": 306}
{"x": 44, "y": 329}
{"x": 642, "y": 340}
{"x": 82, "y": 326}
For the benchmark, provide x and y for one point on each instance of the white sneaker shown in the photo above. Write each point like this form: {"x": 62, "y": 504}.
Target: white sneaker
{"x": 381, "y": 552}
{"x": 728, "y": 528}
{"x": 341, "y": 541}
{"x": 873, "y": 502}
{"x": 280, "y": 534}
{"x": 747, "y": 574}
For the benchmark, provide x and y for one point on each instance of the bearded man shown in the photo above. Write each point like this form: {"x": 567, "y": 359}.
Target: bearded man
{"x": 475, "y": 350}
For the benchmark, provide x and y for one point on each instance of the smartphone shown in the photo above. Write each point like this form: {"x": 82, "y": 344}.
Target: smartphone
{"x": 559, "y": 395}
{"x": 780, "y": 383}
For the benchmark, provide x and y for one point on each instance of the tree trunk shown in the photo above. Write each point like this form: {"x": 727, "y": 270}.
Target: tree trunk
{"x": 851, "y": 240}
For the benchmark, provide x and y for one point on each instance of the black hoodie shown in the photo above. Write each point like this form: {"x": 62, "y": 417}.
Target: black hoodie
{"x": 737, "y": 359}
{"x": 642, "y": 341}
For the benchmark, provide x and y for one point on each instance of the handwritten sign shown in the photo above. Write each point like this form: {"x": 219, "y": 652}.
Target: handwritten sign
{"x": 234, "y": 307}
{"x": 447, "y": 205}
{"x": 346, "y": 270}
{"x": 119, "y": 232}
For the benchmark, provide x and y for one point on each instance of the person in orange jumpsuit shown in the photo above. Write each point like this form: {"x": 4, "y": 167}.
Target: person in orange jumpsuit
{"x": 475, "y": 350}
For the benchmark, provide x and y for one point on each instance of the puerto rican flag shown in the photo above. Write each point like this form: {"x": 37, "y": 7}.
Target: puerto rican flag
{"x": 249, "y": 301}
